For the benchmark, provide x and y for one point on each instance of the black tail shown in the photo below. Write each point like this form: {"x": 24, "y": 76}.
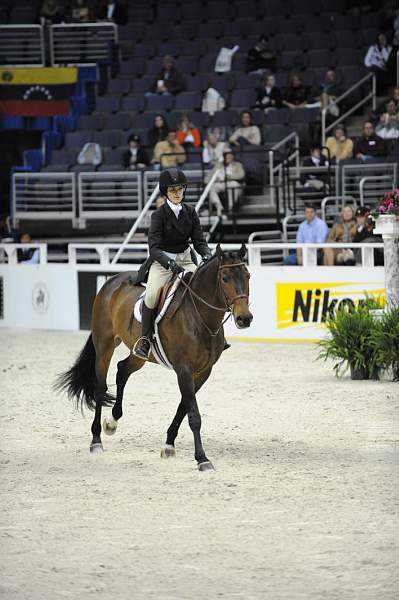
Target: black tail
{"x": 80, "y": 381}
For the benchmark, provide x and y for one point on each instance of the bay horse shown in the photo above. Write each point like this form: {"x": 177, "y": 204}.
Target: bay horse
{"x": 192, "y": 337}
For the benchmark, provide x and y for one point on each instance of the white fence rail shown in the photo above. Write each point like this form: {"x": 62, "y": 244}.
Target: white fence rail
{"x": 81, "y": 43}
{"x": 22, "y": 46}
{"x": 49, "y": 196}
{"x": 109, "y": 195}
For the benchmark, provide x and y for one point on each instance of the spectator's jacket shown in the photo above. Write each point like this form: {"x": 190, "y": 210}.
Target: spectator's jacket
{"x": 372, "y": 146}
{"x": 339, "y": 150}
{"x": 337, "y": 232}
{"x": 308, "y": 162}
{"x": 251, "y": 134}
{"x": 173, "y": 80}
{"x": 156, "y": 134}
{"x": 177, "y": 155}
{"x": 296, "y": 95}
{"x": 182, "y": 135}
{"x": 377, "y": 57}
{"x": 261, "y": 59}
{"x": 119, "y": 14}
{"x": 168, "y": 234}
{"x": 233, "y": 172}
{"x": 141, "y": 157}
{"x": 268, "y": 98}
{"x": 214, "y": 154}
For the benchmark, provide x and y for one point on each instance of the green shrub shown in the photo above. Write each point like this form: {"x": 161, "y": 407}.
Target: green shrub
{"x": 386, "y": 342}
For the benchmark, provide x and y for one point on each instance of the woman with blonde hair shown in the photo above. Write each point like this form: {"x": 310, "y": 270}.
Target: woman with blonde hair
{"x": 187, "y": 133}
{"x": 341, "y": 232}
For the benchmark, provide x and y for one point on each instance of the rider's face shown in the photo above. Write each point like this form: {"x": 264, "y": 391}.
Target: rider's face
{"x": 175, "y": 193}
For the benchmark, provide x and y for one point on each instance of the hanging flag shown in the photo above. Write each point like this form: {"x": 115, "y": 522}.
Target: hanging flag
{"x": 36, "y": 92}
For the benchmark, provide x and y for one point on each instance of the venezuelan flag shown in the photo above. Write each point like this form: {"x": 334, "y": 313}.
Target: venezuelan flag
{"x": 36, "y": 92}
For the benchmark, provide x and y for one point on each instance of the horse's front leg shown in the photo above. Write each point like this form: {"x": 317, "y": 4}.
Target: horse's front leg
{"x": 169, "y": 448}
{"x": 187, "y": 388}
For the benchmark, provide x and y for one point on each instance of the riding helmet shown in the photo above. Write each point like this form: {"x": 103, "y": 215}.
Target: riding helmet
{"x": 171, "y": 177}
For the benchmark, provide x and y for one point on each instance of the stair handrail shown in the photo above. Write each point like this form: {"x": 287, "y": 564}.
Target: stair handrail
{"x": 205, "y": 193}
{"x": 372, "y": 95}
{"x": 136, "y": 224}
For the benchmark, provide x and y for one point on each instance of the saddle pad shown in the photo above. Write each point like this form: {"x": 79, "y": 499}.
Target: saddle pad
{"x": 156, "y": 344}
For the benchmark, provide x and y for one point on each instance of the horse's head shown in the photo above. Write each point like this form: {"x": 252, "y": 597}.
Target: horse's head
{"x": 234, "y": 282}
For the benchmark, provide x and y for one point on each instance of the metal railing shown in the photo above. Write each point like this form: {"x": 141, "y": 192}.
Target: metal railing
{"x": 22, "y": 46}
{"x": 9, "y": 252}
{"x": 371, "y": 188}
{"x": 109, "y": 195}
{"x": 279, "y": 152}
{"x": 48, "y": 196}
{"x": 370, "y": 77}
{"x": 81, "y": 43}
{"x": 349, "y": 176}
{"x": 332, "y": 205}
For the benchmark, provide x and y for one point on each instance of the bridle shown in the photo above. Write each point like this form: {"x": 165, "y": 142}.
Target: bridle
{"x": 228, "y": 303}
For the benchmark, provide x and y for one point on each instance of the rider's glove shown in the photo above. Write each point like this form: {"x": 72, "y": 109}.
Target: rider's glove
{"x": 175, "y": 268}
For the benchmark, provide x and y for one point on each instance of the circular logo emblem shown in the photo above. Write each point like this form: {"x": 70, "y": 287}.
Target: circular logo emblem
{"x": 7, "y": 76}
{"x": 40, "y": 298}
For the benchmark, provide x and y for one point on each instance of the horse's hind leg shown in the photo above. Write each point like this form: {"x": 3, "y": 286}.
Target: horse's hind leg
{"x": 125, "y": 368}
{"x": 169, "y": 448}
{"x": 103, "y": 358}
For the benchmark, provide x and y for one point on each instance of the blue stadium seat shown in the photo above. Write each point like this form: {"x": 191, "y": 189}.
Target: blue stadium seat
{"x": 243, "y": 99}
{"x": 118, "y": 87}
{"x": 107, "y": 104}
{"x": 132, "y": 103}
{"x": 159, "y": 103}
{"x": 188, "y": 101}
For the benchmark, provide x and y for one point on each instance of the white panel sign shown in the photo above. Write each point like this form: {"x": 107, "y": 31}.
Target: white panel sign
{"x": 40, "y": 297}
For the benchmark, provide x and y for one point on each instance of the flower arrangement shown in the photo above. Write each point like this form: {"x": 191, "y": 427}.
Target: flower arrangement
{"x": 388, "y": 204}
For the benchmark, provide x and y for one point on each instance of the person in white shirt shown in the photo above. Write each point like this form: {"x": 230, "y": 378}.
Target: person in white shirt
{"x": 213, "y": 150}
{"x": 376, "y": 60}
{"x": 246, "y": 133}
{"x": 230, "y": 176}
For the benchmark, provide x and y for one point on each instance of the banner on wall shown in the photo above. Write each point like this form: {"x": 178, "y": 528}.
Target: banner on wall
{"x": 38, "y": 92}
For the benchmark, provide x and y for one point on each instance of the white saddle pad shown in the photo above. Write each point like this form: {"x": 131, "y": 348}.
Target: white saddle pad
{"x": 156, "y": 344}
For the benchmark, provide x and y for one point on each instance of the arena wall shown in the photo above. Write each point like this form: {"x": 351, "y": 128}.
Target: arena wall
{"x": 288, "y": 303}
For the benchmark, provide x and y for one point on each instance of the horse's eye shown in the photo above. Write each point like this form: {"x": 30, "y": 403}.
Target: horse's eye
{"x": 225, "y": 279}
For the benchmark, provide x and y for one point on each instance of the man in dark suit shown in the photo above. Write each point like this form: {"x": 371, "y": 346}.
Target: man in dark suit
{"x": 172, "y": 226}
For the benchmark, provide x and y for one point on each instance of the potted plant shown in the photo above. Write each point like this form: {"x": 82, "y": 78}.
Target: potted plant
{"x": 386, "y": 214}
{"x": 350, "y": 341}
{"x": 385, "y": 342}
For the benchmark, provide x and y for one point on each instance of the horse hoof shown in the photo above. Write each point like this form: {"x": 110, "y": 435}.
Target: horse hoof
{"x": 96, "y": 448}
{"x": 168, "y": 451}
{"x": 206, "y": 466}
{"x": 109, "y": 426}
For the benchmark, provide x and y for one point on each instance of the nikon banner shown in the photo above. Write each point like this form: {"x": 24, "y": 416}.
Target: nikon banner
{"x": 36, "y": 92}
{"x": 292, "y": 303}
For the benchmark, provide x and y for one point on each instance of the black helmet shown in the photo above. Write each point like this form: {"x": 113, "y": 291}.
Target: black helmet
{"x": 171, "y": 177}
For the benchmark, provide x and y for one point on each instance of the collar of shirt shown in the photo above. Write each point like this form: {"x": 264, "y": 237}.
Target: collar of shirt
{"x": 176, "y": 208}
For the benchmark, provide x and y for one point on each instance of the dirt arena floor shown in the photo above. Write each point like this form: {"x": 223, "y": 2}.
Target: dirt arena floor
{"x": 303, "y": 504}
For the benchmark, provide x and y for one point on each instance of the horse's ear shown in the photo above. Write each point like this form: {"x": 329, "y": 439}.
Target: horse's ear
{"x": 219, "y": 251}
{"x": 243, "y": 251}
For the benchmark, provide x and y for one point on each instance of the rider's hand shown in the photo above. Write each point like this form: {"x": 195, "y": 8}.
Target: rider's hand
{"x": 175, "y": 268}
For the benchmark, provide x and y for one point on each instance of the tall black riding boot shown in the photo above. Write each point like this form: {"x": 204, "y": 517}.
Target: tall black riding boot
{"x": 143, "y": 345}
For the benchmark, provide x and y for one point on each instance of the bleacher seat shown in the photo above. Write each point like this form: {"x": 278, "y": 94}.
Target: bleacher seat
{"x": 159, "y": 103}
{"x": 242, "y": 98}
{"x": 107, "y": 104}
{"x": 188, "y": 101}
{"x": 134, "y": 102}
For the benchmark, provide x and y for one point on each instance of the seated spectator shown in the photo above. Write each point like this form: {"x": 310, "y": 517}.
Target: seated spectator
{"x": 169, "y": 153}
{"x": 51, "y": 12}
{"x": 339, "y": 145}
{"x": 112, "y": 10}
{"x": 229, "y": 179}
{"x": 158, "y": 132}
{"x": 296, "y": 93}
{"x": 369, "y": 145}
{"x": 388, "y": 127}
{"x": 188, "y": 134}
{"x": 269, "y": 95}
{"x": 28, "y": 255}
{"x": 377, "y": 59}
{"x": 365, "y": 233}
{"x": 343, "y": 231}
{"x": 246, "y": 134}
{"x": 213, "y": 150}
{"x": 80, "y": 12}
{"x": 312, "y": 230}
{"x": 316, "y": 159}
{"x": 169, "y": 80}
{"x": 135, "y": 157}
{"x": 328, "y": 92}
{"x": 261, "y": 57}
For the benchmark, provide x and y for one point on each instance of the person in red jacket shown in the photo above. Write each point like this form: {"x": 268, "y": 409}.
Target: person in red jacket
{"x": 187, "y": 133}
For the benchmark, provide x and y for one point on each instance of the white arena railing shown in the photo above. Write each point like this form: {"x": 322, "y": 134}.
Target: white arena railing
{"x": 81, "y": 43}
{"x": 48, "y": 196}
{"x": 109, "y": 195}
{"x": 349, "y": 177}
{"x": 102, "y": 255}
{"x": 22, "y": 46}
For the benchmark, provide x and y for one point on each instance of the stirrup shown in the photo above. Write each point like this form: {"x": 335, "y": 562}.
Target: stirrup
{"x": 139, "y": 351}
